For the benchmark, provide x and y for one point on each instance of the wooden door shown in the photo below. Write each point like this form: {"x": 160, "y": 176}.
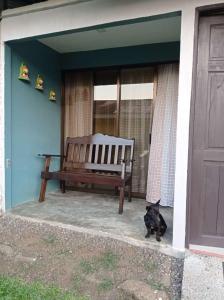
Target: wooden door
{"x": 206, "y": 215}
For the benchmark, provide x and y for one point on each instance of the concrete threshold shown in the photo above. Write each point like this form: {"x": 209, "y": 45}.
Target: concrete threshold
{"x": 208, "y": 251}
{"x": 164, "y": 249}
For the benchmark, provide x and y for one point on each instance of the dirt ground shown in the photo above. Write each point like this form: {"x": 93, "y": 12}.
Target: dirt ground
{"x": 89, "y": 265}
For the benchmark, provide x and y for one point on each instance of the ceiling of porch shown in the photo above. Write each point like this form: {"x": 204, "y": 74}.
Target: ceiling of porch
{"x": 154, "y": 31}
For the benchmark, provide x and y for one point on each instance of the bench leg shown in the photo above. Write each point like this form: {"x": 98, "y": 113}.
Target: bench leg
{"x": 63, "y": 186}
{"x": 129, "y": 191}
{"x": 43, "y": 190}
{"x": 116, "y": 191}
{"x": 121, "y": 200}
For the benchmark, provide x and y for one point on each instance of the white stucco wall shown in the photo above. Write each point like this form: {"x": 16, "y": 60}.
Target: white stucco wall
{"x": 184, "y": 99}
{"x": 2, "y": 169}
{"x": 66, "y": 15}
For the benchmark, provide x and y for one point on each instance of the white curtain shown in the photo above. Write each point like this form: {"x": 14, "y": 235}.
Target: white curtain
{"x": 135, "y": 122}
{"x": 161, "y": 167}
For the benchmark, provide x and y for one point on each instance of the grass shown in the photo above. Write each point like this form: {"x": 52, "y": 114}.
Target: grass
{"x": 105, "y": 285}
{"x": 50, "y": 239}
{"x": 155, "y": 285}
{"x": 64, "y": 252}
{"x": 88, "y": 267}
{"x": 77, "y": 281}
{"x": 107, "y": 261}
{"x": 151, "y": 266}
{"x": 15, "y": 289}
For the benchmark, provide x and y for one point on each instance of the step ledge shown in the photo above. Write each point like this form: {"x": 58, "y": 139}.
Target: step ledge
{"x": 164, "y": 249}
{"x": 207, "y": 250}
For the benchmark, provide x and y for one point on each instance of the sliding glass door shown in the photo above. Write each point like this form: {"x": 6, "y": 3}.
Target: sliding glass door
{"x": 136, "y": 112}
{"x": 113, "y": 102}
{"x": 123, "y": 106}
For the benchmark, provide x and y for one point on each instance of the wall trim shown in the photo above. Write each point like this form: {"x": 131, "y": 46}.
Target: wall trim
{"x": 42, "y": 6}
{"x": 104, "y": 25}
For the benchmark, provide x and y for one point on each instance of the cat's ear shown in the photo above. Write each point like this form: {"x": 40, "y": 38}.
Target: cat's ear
{"x": 156, "y": 206}
{"x": 158, "y": 202}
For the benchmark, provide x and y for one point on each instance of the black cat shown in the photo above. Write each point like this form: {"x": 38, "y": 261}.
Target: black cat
{"x": 154, "y": 221}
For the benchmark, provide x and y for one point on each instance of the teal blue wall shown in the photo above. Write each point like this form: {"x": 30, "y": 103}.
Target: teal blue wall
{"x": 143, "y": 54}
{"x": 35, "y": 121}
{"x": 8, "y": 140}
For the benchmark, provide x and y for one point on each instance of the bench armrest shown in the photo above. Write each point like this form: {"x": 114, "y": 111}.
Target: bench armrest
{"x": 127, "y": 160}
{"x": 124, "y": 162}
{"x": 48, "y": 160}
{"x": 50, "y": 155}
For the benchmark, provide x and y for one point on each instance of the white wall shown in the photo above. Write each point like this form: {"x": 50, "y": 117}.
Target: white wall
{"x": 2, "y": 169}
{"x": 81, "y": 15}
{"x": 184, "y": 97}
{"x": 27, "y": 21}
{"x": 69, "y": 15}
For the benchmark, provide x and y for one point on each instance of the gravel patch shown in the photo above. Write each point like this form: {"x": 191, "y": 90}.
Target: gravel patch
{"x": 90, "y": 264}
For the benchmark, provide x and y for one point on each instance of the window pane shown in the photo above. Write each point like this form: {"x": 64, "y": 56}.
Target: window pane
{"x": 105, "y": 116}
{"x": 105, "y": 92}
{"x": 105, "y": 77}
{"x": 105, "y": 102}
{"x": 137, "y": 91}
{"x": 136, "y": 110}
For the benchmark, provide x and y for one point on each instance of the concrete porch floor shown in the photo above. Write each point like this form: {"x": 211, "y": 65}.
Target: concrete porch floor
{"x": 97, "y": 212}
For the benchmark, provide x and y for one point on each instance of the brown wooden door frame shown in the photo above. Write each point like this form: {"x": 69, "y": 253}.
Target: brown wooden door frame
{"x": 204, "y": 10}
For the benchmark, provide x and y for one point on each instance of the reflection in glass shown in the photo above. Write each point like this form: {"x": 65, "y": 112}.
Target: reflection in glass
{"x": 136, "y": 111}
{"x": 105, "y": 102}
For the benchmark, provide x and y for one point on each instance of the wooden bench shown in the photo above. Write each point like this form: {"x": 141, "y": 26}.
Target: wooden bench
{"x": 95, "y": 159}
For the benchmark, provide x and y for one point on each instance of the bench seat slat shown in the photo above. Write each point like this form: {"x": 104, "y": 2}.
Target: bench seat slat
{"x": 123, "y": 152}
{"x": 114, "y": 180}
{"x": 96, "y": 154}
{"x": 97, "y": 167}
{"x": 103, "y": 154}
{"x": 83, "y": 153}
{"x": 90, "y": 153}
{"x": 116, "y": 154}
{"x": 109, "y": 154}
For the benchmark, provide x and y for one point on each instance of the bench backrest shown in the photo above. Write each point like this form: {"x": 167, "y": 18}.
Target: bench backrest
{"x": 98, "y": 152}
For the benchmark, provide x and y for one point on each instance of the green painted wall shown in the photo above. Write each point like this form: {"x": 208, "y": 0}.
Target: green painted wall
{"x": 144, "y": 54}
{"x": 34, "y": 120}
